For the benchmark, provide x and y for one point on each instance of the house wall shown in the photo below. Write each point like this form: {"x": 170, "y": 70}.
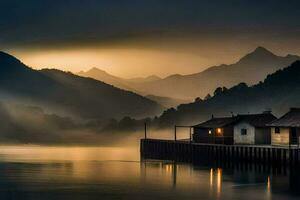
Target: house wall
{"x": 282, "y": 138}
{"x": 263, "y": 136}
{"x": 244, "y": 139}
{"x": 201, "y": 135}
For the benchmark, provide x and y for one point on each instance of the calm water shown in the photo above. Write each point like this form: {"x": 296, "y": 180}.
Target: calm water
{"x": 28, "y": 172}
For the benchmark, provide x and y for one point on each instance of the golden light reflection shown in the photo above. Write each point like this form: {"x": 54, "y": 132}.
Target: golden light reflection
{"x": 169, "y": 168}
{"x": 35, "y": 153}
{"x": 269, "y": 187}
{"x": 219, "y": 181}
{"x": 211, "y": 178}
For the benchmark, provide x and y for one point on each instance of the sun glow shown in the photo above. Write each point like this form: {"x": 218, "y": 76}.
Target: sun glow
{"x": 123, "y": 62}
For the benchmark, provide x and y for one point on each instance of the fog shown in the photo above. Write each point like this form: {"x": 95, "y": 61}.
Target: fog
{"x": 25, "y": 124}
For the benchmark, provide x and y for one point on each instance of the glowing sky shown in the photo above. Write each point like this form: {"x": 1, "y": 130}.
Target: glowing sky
{"x": 132, "y": 38}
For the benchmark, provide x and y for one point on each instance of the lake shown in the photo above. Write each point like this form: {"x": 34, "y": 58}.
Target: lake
{"x": 37, "y": 172}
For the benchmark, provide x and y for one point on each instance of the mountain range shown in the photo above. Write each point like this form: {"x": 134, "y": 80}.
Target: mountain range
{"x": 64, "y": 92}
{"x": 278, "y": 92}
{"x": 251, "y": 69}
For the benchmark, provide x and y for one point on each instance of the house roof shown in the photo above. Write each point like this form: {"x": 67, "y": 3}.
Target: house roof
{"x": 217, "y": 122}
{"x": 257, "y": 120}
{"x": 290, "y": 119}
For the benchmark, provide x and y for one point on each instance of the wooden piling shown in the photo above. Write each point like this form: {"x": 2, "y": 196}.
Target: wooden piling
{"x": 185, "y": 151}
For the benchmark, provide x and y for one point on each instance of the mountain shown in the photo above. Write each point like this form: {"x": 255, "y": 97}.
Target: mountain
{"x": 130, "y": 84}
{"x": 122, "y": 83}
{"x": 69, "y": 93}
{"x": 144, "y": 80}
{"x": 103, "y": 76}
{"x": 278, "y": 92}
{"x": 251, "y": 69}
{"x": 167, "y": 102}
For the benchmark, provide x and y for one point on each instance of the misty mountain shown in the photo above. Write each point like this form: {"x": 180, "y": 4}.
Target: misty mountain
{"x": 278, "y": 92}
{"x": 28, "y": 124}
{"x": 105, "y": 77}
{"x": 129, "y": 84}
{"x": 69, "y": 93}
{"x": 32, "y": 125}
{"x": 122, "y": 83}
{"x": 251, "y": 69}
{"x": 167, "y": 102}
{"x": 144, "y": 80}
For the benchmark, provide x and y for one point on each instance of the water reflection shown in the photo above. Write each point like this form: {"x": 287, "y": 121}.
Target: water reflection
{"x": 92, "y": 175}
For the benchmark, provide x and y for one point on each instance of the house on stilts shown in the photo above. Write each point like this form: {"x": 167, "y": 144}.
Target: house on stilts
{"x": 286, "y": 130}
{"x": 239, "y": 129}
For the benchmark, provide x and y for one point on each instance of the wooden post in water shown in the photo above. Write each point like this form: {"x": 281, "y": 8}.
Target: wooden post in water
{"x": 145, "y": 129}
{"x": 175, "y": 134}
{"x": 190, "y": 134}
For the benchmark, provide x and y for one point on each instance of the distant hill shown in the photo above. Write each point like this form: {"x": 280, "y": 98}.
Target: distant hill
{"x": 251, "y": 69}
{"x": 103, "y": 76}
{"x": 167, "y": 102}
{"x": 144, "y": 80}
{"x": 69, "y": 93}
{"x": 122, "y": 83}
{"x": 279, "y": 92}
{"x": 130, "y": 84}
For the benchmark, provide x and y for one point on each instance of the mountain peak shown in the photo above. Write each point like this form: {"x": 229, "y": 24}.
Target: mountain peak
{"x": 95, "y": 72}
{"x": 262, "y": 51}
{"x": 258, "y": 55}
{"x": 153, "y": 78}
{"x": 95, "y": 69}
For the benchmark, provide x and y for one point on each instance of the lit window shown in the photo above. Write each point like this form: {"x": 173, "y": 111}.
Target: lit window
{"x": 243, "y": 131}
{"x": 219, "y": 130}
{"x": 277, "y": 130}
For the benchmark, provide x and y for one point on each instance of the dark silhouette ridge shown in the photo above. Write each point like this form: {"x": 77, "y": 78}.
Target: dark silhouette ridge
{"x": 279, "y": 91}
{"x": 83, "y": 97}
{"x": 6, "y": 58}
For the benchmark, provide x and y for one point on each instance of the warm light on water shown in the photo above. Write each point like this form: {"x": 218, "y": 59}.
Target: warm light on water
{"x": 36, "y": 172}
{"x": 47, "y": 154}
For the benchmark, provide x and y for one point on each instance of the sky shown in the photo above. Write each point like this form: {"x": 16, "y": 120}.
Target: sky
{"x": 131, "y": 38}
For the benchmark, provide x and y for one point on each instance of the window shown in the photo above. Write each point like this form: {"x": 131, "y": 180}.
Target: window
{"x": 277, "y": 130}
{"x": 219, "y": 131}
{"x": 243, "y": 131}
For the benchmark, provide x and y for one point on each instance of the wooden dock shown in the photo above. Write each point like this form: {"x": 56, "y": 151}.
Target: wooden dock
{"x": 186, "y": 151}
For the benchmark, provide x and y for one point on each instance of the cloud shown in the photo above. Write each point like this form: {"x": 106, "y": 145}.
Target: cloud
{"x": 54, "y": 23}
